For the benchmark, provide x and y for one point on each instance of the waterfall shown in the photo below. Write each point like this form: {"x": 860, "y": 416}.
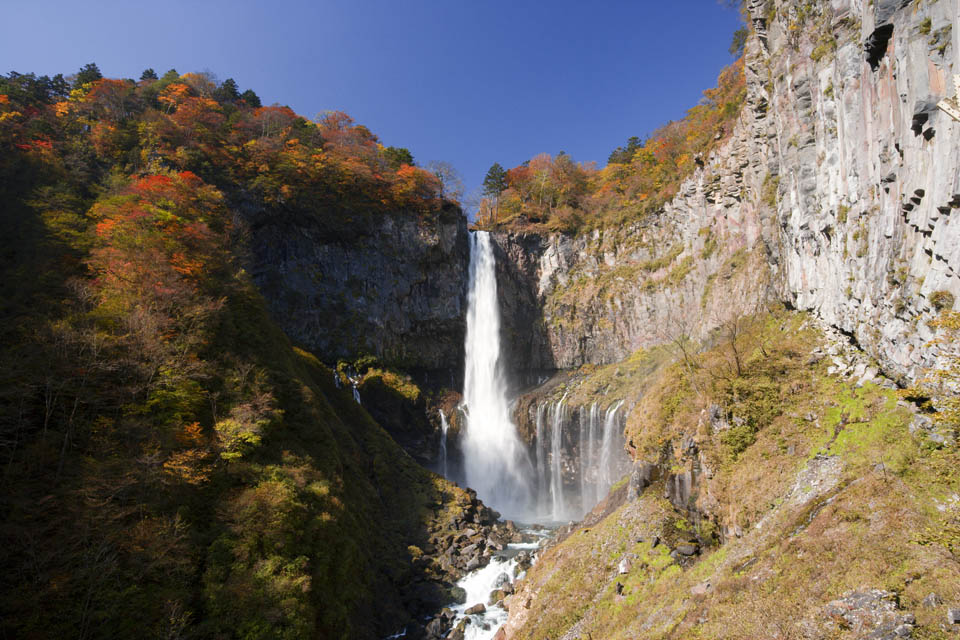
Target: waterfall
{"x": 444, "y": 427}
{"x": 584, "y": 440}
{"x": 557, "y": 507}
{"x": 541, "y": 446}
{"x": 495, "y": 462}
{"x": 606, "y": 471}
{"x": 588, "y": 463}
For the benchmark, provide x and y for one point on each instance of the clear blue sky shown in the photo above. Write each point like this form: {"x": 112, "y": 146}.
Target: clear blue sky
{"x": 466, "y": 81}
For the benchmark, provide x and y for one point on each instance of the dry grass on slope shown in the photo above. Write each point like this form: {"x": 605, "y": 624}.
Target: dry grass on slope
{"x": 817, "y": 481}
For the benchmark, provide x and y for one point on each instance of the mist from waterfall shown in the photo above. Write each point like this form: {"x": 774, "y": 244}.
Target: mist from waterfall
{"x": 495, "y": 462}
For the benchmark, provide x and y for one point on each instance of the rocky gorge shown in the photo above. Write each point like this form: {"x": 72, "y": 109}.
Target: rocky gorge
{"x": 831, "y": 200}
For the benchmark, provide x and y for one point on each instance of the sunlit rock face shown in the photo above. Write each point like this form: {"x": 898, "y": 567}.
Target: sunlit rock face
{"x": 841, "y": 179}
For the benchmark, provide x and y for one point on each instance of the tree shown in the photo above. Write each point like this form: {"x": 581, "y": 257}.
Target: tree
{"x": 494, "y": 184}
{"x": 739, "y": 41}
{"x": 396, "y": 157}
{"x": 148, "y": 75}
{"x": 227, "y": 91}
{"x": 251, "y": 98}
{"x": 624, "y": 155}
{"x": 451, "y": 186}
{"x": 88, "y": 73}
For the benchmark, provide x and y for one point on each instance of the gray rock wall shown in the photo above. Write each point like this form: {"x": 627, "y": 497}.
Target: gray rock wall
{"x": 397, "y": 292}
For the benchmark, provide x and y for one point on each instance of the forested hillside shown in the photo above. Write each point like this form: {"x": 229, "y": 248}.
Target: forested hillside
{"x": 172, "y": 466}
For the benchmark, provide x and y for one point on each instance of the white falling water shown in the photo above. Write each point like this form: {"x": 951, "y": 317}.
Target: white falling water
{"x": 606, "y": 470}
{"x": 557, "y": 505}
{"x": 584, "y": 435}
{"x": 495, "y": 462}
{"x": 541, "y": 460}
{"x": 444, "y": 427}
{"x": 588, "y": 463}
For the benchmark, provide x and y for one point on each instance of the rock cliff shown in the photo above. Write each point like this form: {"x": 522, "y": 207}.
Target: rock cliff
{"x": 396, "y": 291}
{"x": 833, "y": 193}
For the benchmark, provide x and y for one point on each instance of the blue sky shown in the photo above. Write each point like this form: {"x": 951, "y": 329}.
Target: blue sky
{"x": 467, "y": 82}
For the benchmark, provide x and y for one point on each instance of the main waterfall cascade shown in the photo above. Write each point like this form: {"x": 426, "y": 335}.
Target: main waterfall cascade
{"x": 578, "y": 452}
{"x": 495, "y": 462}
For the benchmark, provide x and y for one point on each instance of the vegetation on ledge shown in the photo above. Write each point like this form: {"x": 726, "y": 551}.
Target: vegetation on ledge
{"x": 555, "y": 193}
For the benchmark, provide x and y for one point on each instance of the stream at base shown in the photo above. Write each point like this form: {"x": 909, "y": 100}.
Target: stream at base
{"x": 480, "y": 584}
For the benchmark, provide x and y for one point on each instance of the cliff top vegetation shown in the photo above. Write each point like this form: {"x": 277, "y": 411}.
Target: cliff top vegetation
{"x": 556, "y": 193}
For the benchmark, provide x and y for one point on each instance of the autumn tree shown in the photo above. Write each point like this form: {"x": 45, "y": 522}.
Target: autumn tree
{"x": 451, "y": 184}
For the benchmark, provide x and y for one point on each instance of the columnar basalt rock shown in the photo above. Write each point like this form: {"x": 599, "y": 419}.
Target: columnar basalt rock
{"x": 840, "y": 178}
{"x": 396, "y": 291}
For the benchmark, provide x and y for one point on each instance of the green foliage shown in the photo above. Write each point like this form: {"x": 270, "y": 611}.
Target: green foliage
{"x": 739, "y": 41}
{"x": 90, "y": 72}
{"x": 624, "y": 154}
{"x": 495, "y": 182}
{"x": 770, "y": 190}
{"x": 842, "y": 212}
{"x": 396, "y": 157}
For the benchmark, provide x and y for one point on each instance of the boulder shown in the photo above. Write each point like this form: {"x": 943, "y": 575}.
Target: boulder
{"x": 953, "y": 615}
{"x": 476, "y": 609}
{"x": 932, "y": 601}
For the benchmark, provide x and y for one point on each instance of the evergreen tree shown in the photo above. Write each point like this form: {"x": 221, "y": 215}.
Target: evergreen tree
{"x": 397, "y": 157}
{"x": 227, "y": 91}
{"x": 494, "y": 184}
{"x": 252, "y": 99}
{"x": 88, "y": 73}
{"x": 148, "y": 74}
{"x": 624, "y": 155}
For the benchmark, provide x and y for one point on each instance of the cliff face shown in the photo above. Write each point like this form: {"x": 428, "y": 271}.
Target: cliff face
{"x": 397, "y": 292}
{"x": 868, "y": 167}
{"x": 834, "y": 193}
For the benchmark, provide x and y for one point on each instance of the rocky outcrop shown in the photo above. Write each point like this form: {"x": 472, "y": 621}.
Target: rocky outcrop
{"x": 396, "y": 291}
{"x": 834, "y": 193}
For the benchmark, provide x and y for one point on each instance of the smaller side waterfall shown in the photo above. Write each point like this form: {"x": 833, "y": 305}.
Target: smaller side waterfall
{"x": 541, "y": 447}
{"x": 444, "y": 427}
{"x": 606, "y": 469}
{"x": 583, "y": 445}
{"x": 557, "y": 505}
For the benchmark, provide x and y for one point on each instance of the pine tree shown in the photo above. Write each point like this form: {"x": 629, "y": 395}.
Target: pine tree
{"x": 227, "y": 91}
{"x": 88, "y": 73}
{"x": 494, "y": 184}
